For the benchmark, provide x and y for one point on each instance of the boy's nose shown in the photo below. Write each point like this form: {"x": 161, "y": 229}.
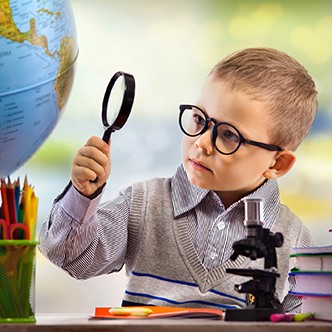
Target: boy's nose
{"x": 204, "y": 142}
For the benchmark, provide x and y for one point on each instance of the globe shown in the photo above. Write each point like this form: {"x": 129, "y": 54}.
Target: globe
{"x": 38, "y": 51}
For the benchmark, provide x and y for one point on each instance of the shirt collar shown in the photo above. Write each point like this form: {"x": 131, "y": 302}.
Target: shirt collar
{"x": 186, "y": 196}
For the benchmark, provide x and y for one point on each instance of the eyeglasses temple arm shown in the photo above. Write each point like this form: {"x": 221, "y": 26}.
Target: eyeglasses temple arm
{"x": 270, "y": 147}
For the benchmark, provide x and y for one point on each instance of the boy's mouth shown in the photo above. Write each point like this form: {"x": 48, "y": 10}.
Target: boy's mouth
{"x": 196, "y": 164}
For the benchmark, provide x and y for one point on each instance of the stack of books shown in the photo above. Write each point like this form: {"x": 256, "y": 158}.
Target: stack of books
{"x": 314, "y": 280}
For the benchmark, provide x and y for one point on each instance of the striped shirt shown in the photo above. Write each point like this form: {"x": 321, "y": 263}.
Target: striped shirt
{"x": 213, "y": 228}
{"x": 70, "y": 232}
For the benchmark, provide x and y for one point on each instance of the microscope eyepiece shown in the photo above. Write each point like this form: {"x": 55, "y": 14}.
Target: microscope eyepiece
{"x": 253, "y": 212}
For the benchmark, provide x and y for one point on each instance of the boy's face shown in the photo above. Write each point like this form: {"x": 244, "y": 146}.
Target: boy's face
{"x": 230, "y": 176}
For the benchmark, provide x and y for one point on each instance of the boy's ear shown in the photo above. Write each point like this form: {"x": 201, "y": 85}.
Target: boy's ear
{"x": 284, "y": 161}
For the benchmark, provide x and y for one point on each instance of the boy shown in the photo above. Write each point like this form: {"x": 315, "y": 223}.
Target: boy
{"x": 175, "y": 235}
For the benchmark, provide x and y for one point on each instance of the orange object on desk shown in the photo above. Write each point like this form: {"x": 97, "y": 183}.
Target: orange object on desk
{"x": 159, "y": 312}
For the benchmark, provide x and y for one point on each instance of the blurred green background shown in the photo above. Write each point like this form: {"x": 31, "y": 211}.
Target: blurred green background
{"x": 170, "y": 46}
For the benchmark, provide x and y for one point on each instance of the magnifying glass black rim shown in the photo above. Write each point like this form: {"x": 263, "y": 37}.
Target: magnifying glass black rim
{"x": 126, "y": 105}
{"x": 125, "y": 109}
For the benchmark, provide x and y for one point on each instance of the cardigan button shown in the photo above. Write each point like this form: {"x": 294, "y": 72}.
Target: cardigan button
{"x": 213, "y": 255}
{"x": 220, "y": 225}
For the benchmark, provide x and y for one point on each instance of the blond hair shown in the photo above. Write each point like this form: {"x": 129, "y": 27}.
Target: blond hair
{"x": 273, "y": 77}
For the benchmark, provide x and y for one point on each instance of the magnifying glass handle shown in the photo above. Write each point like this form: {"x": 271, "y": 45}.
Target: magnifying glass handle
{"x": 107, "y": 135}
{"x": 106, "y": 138}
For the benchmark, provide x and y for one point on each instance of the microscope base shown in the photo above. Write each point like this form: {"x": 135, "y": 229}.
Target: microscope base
{"x": 253, "y": 314}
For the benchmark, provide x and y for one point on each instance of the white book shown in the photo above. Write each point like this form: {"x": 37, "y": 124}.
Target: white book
{"x": 321, "y": 306}
{"x": 311, "y": 250}
{"x": 313, "y": 282}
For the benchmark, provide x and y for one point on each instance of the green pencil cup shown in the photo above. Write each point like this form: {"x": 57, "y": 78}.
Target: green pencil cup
{"x": 17, "y": 281}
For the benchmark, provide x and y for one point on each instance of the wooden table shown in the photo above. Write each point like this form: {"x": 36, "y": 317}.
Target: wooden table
{"x": 81, "y": 323}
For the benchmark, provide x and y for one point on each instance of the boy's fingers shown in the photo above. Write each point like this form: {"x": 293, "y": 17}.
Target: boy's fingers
{"x": 91, "y": 161}
{"x": 88, "y": 169}
{"x": 98, "y": 143}
{"x": 92, "y": 157}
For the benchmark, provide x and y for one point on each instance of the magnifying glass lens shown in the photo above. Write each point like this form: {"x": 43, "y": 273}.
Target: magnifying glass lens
{"x": 115, "y": 101}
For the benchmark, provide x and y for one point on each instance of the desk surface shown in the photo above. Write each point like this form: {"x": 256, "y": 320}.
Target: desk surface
{"x": 80, "y": 322}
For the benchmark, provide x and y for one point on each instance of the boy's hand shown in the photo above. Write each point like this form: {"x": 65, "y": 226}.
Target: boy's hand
{"x": 91, "y": 161}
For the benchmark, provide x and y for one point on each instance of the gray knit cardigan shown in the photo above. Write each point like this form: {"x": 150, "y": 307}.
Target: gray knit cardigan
{"x": 162, "y": 263}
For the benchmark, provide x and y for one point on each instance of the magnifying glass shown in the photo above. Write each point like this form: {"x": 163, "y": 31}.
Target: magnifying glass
{"x": 117, "y": 103}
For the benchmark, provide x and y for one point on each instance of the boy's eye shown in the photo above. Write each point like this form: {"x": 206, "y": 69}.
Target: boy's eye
{"x": 199, "y": 120}
{"x": 228, "y": 138}
{"x": 227, "y": 134}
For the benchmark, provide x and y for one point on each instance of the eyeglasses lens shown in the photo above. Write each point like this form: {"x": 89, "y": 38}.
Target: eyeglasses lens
{"x": 228, "y": 138}
{"x": 193, "y": 121}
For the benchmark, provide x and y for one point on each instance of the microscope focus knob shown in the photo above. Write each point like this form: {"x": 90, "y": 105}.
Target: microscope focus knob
{"x": 278, "y": 240}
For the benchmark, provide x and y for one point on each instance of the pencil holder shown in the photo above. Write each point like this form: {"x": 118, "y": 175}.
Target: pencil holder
{"x": 17, "y": 281}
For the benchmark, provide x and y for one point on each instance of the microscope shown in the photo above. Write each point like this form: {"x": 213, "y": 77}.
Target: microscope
{"x": 261, "y": 289}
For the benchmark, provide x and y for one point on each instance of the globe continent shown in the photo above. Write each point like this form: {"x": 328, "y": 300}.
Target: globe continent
{"x": 38, "y": 51}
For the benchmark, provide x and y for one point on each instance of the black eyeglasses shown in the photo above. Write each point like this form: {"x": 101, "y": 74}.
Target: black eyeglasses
{"x": 226, "y": 139}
